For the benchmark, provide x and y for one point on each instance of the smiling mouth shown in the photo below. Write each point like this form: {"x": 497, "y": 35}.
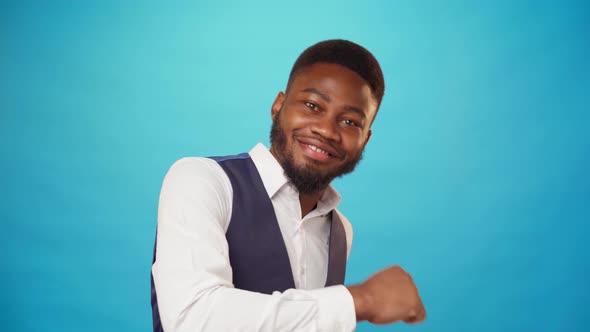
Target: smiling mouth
{"x": 316, "y": 149}
{"x": 315, "y": 153}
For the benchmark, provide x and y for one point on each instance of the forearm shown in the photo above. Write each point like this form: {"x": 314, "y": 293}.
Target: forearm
{"x": 222, "y": 308}
{"x": 361, "y": 300}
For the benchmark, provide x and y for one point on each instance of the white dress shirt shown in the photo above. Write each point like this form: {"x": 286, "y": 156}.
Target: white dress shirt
{"x": 192, "y": 272}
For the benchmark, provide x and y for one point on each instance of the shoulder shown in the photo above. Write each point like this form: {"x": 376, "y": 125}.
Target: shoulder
{"x": 347, "y": 225}
{"x": 194, "y": 167}
{"x": 347, "y": 228}
{"x": 197, "y": 174}
{"x": 197, "y": 183}
{"x": 190, "y": 171}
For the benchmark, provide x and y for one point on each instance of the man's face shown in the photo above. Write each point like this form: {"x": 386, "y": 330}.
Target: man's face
{"x": 321, "y": 125}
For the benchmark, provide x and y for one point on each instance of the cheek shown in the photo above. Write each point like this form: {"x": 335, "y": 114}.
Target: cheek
{"x": 295, "y": 124}
{"x": 354, "y": 144}
{"x": 296, "y": 121}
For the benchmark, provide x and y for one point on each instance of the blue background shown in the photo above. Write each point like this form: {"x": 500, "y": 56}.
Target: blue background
{"x": 475, "y": 179}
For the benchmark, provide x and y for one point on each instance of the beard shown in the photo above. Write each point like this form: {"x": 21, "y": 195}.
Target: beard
{"x": 306, "y": 178}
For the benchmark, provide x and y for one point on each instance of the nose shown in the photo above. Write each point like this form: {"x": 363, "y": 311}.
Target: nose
{"x": 327, "y": 127}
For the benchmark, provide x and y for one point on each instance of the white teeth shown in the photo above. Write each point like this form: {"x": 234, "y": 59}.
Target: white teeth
{"x": 316, "y": 149}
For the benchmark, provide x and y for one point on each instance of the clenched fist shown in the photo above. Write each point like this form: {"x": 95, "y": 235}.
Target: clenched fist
{"x": 388, "y": 296}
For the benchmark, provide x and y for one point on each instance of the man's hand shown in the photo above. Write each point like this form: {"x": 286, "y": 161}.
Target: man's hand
{"x": 388, "y": 296}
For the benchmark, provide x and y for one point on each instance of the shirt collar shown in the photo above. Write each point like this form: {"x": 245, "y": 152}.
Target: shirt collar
{"x": 273, "y": 178}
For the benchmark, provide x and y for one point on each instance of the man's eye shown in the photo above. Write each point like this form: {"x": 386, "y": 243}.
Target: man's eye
{"x": 311, "y": 106}
{"x": 349, "y": 122}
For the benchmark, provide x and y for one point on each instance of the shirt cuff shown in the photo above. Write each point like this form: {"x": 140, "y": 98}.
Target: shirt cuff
{"x": 336, "y": 309}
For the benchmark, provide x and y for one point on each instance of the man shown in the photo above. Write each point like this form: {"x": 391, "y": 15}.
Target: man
{"x": 254, "y": 242}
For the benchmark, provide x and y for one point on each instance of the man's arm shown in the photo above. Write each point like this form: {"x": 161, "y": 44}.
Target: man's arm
{"x": 193, "y": 276}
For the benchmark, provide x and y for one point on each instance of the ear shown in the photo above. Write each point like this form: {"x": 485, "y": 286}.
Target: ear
{"x": 368, "y": 137}
{"x": 277, "y": 105}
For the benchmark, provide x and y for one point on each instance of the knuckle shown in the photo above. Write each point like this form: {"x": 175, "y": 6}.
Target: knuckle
{"x": 408, "y": 277}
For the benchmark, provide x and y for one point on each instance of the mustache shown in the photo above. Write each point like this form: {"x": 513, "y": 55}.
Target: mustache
{"x": 319, "y": 141}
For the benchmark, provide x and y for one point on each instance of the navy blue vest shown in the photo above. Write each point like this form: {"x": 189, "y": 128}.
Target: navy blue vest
{"x": 257, "y": 252}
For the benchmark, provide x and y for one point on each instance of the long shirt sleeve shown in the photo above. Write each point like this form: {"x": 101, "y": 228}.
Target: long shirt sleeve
{"x": 193, "y": 275}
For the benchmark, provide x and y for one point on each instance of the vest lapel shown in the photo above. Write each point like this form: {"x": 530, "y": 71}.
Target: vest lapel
{"x": 337, "y": 252}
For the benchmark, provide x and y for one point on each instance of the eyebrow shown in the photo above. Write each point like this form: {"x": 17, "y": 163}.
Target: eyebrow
{"x": 355, "y": 110}
{"x": 315, "y": 91}
{"x": 327, "y": 98}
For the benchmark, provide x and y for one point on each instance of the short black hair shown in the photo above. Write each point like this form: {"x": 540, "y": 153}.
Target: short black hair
{"x": 347, "y": 54}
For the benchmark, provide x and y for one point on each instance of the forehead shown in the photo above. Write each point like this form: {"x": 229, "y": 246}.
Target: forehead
{"x": 340, "y": 83}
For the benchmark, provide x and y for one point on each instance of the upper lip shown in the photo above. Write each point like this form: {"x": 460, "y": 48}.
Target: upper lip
{"x": 318, "y": 142}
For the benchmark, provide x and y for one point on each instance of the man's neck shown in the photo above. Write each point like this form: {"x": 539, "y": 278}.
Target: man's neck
{"x": 309, "y": 202}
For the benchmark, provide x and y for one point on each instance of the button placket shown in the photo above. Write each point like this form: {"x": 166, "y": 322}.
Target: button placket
{"x": 302, "y": 260}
